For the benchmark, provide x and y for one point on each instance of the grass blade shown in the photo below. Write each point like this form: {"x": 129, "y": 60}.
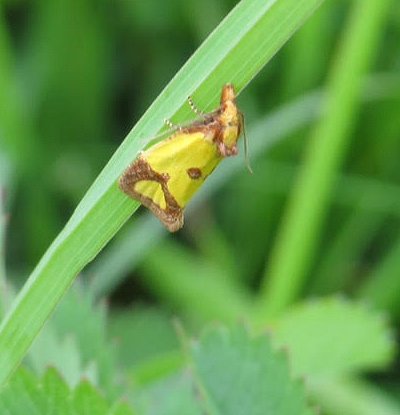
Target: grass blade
{"x": 298, "y": 238}
{"x": 235, "y": 52}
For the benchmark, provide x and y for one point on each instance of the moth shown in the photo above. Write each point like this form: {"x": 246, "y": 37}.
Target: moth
{"x": 165, "y": 176}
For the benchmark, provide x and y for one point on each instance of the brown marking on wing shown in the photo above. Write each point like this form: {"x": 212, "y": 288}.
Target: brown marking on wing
{"x": 194, "y": 173}
{"x": 172, "y": 215}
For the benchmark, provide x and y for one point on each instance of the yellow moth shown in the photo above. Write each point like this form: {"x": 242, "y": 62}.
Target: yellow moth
{"x": 165, "y": 177}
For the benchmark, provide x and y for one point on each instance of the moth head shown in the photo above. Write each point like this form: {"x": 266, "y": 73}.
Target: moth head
{"x": 232, "y": 121}
{"x": 229, "y": 120}
{"x": 228, "y": 93}
{"x": 228, "y": 108}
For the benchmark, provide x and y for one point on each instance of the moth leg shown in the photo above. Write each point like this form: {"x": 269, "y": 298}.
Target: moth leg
{"x": 193, "y": 107}
{"x": 171, "y": 125}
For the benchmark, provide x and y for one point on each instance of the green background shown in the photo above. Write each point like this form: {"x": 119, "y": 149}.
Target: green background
{"x": 319, "y": 218}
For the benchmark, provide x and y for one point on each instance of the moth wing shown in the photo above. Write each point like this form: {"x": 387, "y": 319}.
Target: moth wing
{"x": 141, "y": 183}
{"x": 186, "y": 159}
{"x": 166, "y": 176}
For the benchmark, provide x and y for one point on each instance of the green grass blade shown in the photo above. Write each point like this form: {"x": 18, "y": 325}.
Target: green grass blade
{"x": 3, "y": 286}
{"x": 17, "y": 135}
{"x": 383, "y": 284}
{"x": 346, "y": 247}
{"x": 296, "y": 244}
{"x": 235, "y": 52}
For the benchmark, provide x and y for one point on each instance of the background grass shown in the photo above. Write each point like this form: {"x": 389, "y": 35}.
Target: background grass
{"x": 318, "y": 217}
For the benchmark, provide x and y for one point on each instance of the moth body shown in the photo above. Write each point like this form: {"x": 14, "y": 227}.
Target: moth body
{"x": 165, "y": 177}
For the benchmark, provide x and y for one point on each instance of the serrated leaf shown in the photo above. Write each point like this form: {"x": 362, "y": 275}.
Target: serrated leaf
{"x": 27, "y": 394}
{"x": 243, "y": 375}
{"x": 121, "y": 408}
{"x": 20, "y": 395}
{"x": 87, "y": 400}
{"x": 78, "y": 314}
{"x": 75, "y": 342}
{"x": 61, "y": 353}
{"x": 56, "y": 391}
{"x": 333, "y": 337}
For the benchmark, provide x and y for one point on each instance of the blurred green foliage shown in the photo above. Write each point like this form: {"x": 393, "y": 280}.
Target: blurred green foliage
{"x": 76, "y": 75}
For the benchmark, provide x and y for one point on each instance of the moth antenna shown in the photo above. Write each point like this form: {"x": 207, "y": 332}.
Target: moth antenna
{"x": 193, "y": 107}
{"x": 246, "y": 145}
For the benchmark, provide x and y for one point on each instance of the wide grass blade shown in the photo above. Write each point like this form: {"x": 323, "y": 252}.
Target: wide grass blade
{"x": 235, "y": 52}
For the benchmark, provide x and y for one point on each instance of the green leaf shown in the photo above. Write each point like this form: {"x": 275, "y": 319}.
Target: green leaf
{"x": 56, "y": 391}
{"x": 242, "y": 375}
{"x": 121, "y": 408}
{"x": 229, "y": 373}
{"x": 334, "y": 337}
{"x": 62, "y": 354}
{"x": 49, "y": 395}
{"x": 88, "y": 401}
{"x": 235, "y": 52}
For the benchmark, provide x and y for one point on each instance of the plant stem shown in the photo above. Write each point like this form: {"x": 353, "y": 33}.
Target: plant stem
{"x": 297, "y": 241}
